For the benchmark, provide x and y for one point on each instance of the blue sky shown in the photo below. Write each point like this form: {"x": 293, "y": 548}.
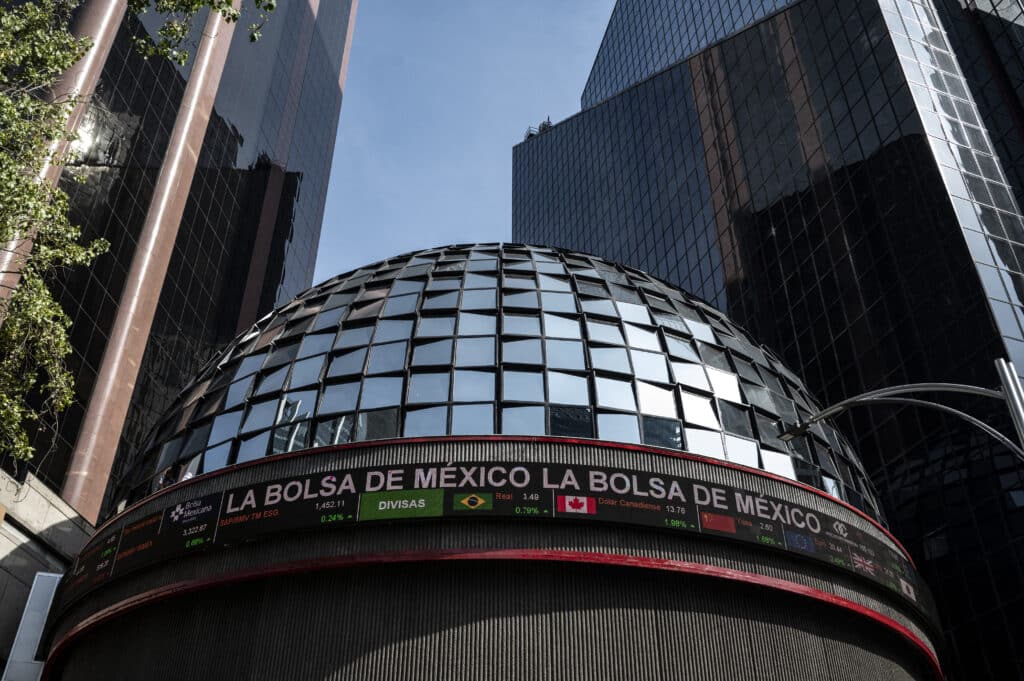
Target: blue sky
{"x": 437, "y": 95}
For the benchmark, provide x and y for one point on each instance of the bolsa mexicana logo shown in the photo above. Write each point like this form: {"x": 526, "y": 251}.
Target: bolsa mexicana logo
{"x": 427, "y": 503}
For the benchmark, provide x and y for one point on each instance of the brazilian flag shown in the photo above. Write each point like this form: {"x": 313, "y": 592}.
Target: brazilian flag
{"x": 474, "y": 501}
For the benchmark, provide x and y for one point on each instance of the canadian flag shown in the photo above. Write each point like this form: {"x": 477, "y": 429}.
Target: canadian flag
{"x": 577, "y": 505}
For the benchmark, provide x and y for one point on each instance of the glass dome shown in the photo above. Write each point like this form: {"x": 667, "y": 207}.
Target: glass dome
{"x": 492, "y": 339}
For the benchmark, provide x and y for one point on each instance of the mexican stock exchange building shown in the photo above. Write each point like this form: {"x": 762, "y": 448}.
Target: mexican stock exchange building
{"x": 493, "y": 461}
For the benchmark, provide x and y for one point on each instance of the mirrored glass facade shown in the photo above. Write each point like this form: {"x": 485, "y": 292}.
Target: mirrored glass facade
{"x": 841, "y": 179}
{"x": 563, "y": 344}
{"x": 248, "y": 238}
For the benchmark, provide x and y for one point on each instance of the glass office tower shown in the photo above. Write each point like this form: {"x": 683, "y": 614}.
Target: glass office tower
{"x": 840, "y": 178}
{"x": 248, "y": 237}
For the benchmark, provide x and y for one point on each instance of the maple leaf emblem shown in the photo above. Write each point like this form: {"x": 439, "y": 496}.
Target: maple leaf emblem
{"x": 576, "y": 503}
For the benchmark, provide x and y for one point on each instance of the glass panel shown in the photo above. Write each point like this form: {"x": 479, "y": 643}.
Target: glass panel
{"x": 393, "y": 330}
{"x": 272, "y": 382}
{"x": 735, "y": 419}
{"x": 475, "y": 352}
{"x": 316, "y": 344}
{"x": 306, "y": 372}
{"x": 632, "y": 312}
{"x": 521, "y": 325}
{"x": 549, "y": 283}
{"x": 481, "y": 281}
{"x": 339, "y": 397}
{"x": 641, "y": 338}
{"x": 610, "y": 359}
{"x": 476, "y": 324}
{"x": 473, "y": 419}
{"x": 437, "y": 352}
{"x": 387, "y": 357}
{"x": 282, "y": 355}
{"x": 701, "y": 331}
{"x": 522, "y": 421}
{"x": 557, "y": 302}
{"x": 615, "y": 394}
{"x": 662, "y": 432}
{"x": 381, "y": 392}
{"x": 406, "y": 286}
{"x": 290, "y": 438}
{"x": 681, "y": 349}
{"x": 224, "y": 426}
{"x": 216, "y": 457}
{"x": 238, "y": 391}
{"x": 599, "y": 306}
{"x": 705, "y": 443}
{"x": 777, "y": 463}
{"x": 519, "y": 281}
{"x": 377, "y": 425}
{"x": 297, "y": 406}
{"x": 567, "y": 389}
{"x": 441, "y": 301}
{"x": 556, "y": 326}
{"x": 521, "y": 351}
{"x": 481, "y": 299}
{"x": 400, "y": 305}
{"x": 422, "y": 422}
{"x": 444, "y": 283}
{"x": 428, "y": 388}
{"x": 351, "y": 338}
{"x": 335, "y": 431}
{"x": 571, "y": 421}
{"x": 564, "y": 354}
{"x": 436, "y": 326}
{"x": 348, "y": 363}
{"x": 261, "y": 415}
{"x": 649, "y": 365}
{"x": 473, "y": 386}
{"x": 522, "y": 386}
{"x": 656, "y": 401}
{"x": 253, "y": 448}
{"x": 249, "y": 365}
{"x": 691, "y": 375}
{"x": 698, "y": 411}
{"x": 618, "y": 427}
{"x": 524, "y": 299}
{"x": 725, "y": 385}
{"x": 743, "y": 452}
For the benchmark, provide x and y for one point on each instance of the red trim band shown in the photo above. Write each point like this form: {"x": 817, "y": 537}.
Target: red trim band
{"x": 714, "y": 571}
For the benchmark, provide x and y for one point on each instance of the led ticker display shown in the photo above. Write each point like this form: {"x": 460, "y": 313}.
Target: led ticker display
{"x": 508, "y": 490}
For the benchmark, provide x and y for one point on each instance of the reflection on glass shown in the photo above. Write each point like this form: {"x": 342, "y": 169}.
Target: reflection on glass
{"x": 741, "y": 451}
{"x": 224, "y": 426}
{"x": 661, "y": 432}
{"x": 350, "y": 338}
{"x": 480, "y": 299}
{"x": 436, "y": 352}
{"x": 656, "y": 401}
{"x": 557, "y": 302}
{"x": 290, "y": 438}
{"x": 610, "y": 359}
{"x": 691, "y": 375}
{"x": 735, "y": 419}
{"x": 473, "y": 419}
{"x": 348, "y": 363}
{"x": 476, "y": 324}
{"x": 316, "y": 344}
{"x": 444, "y": 284}
{"x": 377, "y": 425}
{"x": 424, "y": 422}
{"x": 599, "y": 306}
{"x": 681, "y": 349}
{"x": 698, "y": 410}
{"x": 404, "y": 286}
{"x": 557, "y": 326}
{"x": 705, "y": 443}
{"x": 564, "y": 354}
{"x": 567, "y": 389}
{"x": 702, "y": 331}
{"x": 521, "y": 351}
{"x": 261, "y": 415}
{"x": 306, "y": 371}
{"x": 725, "y": 386}
{"x": 649, "y": 365}
{"x": 571, "y": 421}
{"x": 474, "y": 352}
{"x": 387, "y": 357}
{"x": 522, "y": 386}
{"x": 441, "y": 301}
{"x": 272, "y": 382}
{"x": 631, "y": 312}
{"x": 339, "y": 397}
{"x": 428, "y": 388}
{"x": 334, "y": 431}
{"x": 777, "y": 463}
{"x": 381, "y": 392}
{"x": 642, "y": 338}
{"x": 525, "y": 299}
{"x": 253, "y": 447}
{"x": 216, "y": 457}
{"x": 436, "y": 326}
{"x": 393, "y": 330}
{"x": 238, "y": 391}
{"x": 519, "y": 281}
{"x": 522, "y": 421}
{"x": 296, "y": 406}
{"x": 481, "y": 281}
{"x": 614, "y": 393}
{"x": 249, "y": 365}
{"x": 618, "y": 427}
{"x": 520, "y": 325}
{"x": 549, "y": 283}
{"x": 473, "y": 386}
